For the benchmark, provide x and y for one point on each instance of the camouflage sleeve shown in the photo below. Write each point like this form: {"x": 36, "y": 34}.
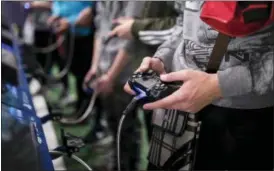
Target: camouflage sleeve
{"x": 99, "y": 17}
{"x": 255, "y": 75}
{"x": 166, "y": 51}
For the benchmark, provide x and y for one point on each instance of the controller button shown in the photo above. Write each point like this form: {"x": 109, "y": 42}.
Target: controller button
{"x": 155, "y": 93}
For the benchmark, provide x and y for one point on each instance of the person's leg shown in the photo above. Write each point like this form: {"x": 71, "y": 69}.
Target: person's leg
{"x": 61, "y": 61}
{"x": 42, "y": 40}
{"x": 99, "y": 134}
{"x": 235, "y": 139}
{"x": 152, "y": 167}
{"x": 252, "y": 132}
{"x": 148, "y": 119}
{"x": 80, "y": 65}
{"x": 210, "y": 152}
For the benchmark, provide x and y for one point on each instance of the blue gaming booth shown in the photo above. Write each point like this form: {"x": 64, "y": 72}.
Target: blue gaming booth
{"x": 24, "y": 146}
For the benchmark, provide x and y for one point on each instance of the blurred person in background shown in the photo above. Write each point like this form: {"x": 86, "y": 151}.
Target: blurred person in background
{"x": 75, "y": 17}
{"x": 72, "y": 17}
{"x": 111, "y": 63}
{"x": 147, "y": 32}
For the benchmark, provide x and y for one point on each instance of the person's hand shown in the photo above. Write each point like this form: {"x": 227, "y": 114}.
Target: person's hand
{"x": 104, "y": 84}
{"x": 52, "y": 19}
{"x": 61, "y": 26}
{"x": 90, "y": 74}
{"x": 40, "y": 4}
{"x": 148, "y": 63}
{"x": 198, "y": 90}
{"x": 123, "y": 30}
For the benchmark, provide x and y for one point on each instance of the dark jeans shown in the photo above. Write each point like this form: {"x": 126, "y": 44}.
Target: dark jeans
{"x": 234, "y": 139}
{"x": 114, "y": 104}
{"x": 81, "y": 60}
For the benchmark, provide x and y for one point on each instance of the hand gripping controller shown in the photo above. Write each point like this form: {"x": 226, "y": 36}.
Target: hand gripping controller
{"x": 149, "y": 87}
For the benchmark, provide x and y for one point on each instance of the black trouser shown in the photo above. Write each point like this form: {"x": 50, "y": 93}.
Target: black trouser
{"x": 42, "y": 38}
{"x": 81, "y": 61}
{"x": 114, "y": 104}
{"x": 148, "y": 119}
{"x": 233, "y": 139}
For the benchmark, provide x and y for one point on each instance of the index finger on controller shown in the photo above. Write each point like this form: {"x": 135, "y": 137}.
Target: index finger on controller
{"x": 128, "y": 89}
{"x": 144, "y": 65}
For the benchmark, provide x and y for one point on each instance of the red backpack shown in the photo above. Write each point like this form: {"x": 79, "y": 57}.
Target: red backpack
{"x": 238, "y": 18}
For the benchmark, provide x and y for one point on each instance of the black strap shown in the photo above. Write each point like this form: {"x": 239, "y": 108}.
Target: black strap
{"x": 179, "y": 153}
{"x": 218, "y": 53}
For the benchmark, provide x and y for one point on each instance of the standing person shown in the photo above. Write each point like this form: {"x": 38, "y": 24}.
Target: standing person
{"x": 147, "y": 32}
{"x": 75, "y": 17}
{"x": 235, "y": 105}
{"x": 112, "y": 63}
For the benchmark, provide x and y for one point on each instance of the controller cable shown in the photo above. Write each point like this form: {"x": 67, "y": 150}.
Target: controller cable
{"x": 40, "y": 71}
{"x": 73, "y": 156}
{"x": 131, "y": 106}
{"x": 85, "y": 114}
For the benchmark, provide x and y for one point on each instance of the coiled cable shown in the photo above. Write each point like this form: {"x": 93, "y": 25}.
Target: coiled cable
{"x": 85, "y": 114}
{"x": 65, "y": 70}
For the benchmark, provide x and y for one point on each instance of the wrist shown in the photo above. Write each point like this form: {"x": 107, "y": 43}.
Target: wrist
{"x": 110, "y": 75}
{"x": 214, "y": 82}
{"x": 93, "y": 69}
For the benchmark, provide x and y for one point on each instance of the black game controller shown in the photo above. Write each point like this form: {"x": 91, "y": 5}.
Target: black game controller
{"x": 89, "y": 86}
{"x": 149, "y": 87}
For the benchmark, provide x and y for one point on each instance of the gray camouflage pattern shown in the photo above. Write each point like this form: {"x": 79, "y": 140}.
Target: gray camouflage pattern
{"x": 245, "y": 75}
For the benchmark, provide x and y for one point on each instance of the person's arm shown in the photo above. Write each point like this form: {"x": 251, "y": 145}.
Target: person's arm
{"x": 256, "y": 77}
{"x": 97, "y": 42}
{"x": 120, "y": 61}
{"x": 166, "y": 50}
{"x": 153, "y": 31}
{"x": 98, "y": 35}
{"x": 41, "y": 4}
{"x": 96, "y": 55}
{"x": 84, "y": 18}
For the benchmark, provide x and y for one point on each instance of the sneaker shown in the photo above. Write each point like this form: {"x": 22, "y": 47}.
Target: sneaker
{"x": 67, "y": 99}
{"x": 34, "y": 86}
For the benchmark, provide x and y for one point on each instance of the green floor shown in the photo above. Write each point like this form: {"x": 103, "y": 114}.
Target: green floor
{"x": 94, "y": 157}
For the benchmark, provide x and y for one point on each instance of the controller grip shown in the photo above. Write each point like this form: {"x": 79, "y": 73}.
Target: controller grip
{"x": 88, "y": 88}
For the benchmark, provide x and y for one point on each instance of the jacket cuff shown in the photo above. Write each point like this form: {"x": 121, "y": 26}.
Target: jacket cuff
{"x": 136, "y": 27}
{"x": 166, "y": 59}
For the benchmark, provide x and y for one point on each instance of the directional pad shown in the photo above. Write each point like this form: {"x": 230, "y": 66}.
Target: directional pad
{"x": 152, "y": 86}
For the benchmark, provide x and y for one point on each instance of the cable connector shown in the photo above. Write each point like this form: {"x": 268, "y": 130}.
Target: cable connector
{"x": 50, "y": 117}
{"x": 71, "y": 144}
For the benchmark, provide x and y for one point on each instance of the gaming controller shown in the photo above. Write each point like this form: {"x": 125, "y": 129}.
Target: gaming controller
{"x": 89, "y": 86}
{"x": 149, "y": 87}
